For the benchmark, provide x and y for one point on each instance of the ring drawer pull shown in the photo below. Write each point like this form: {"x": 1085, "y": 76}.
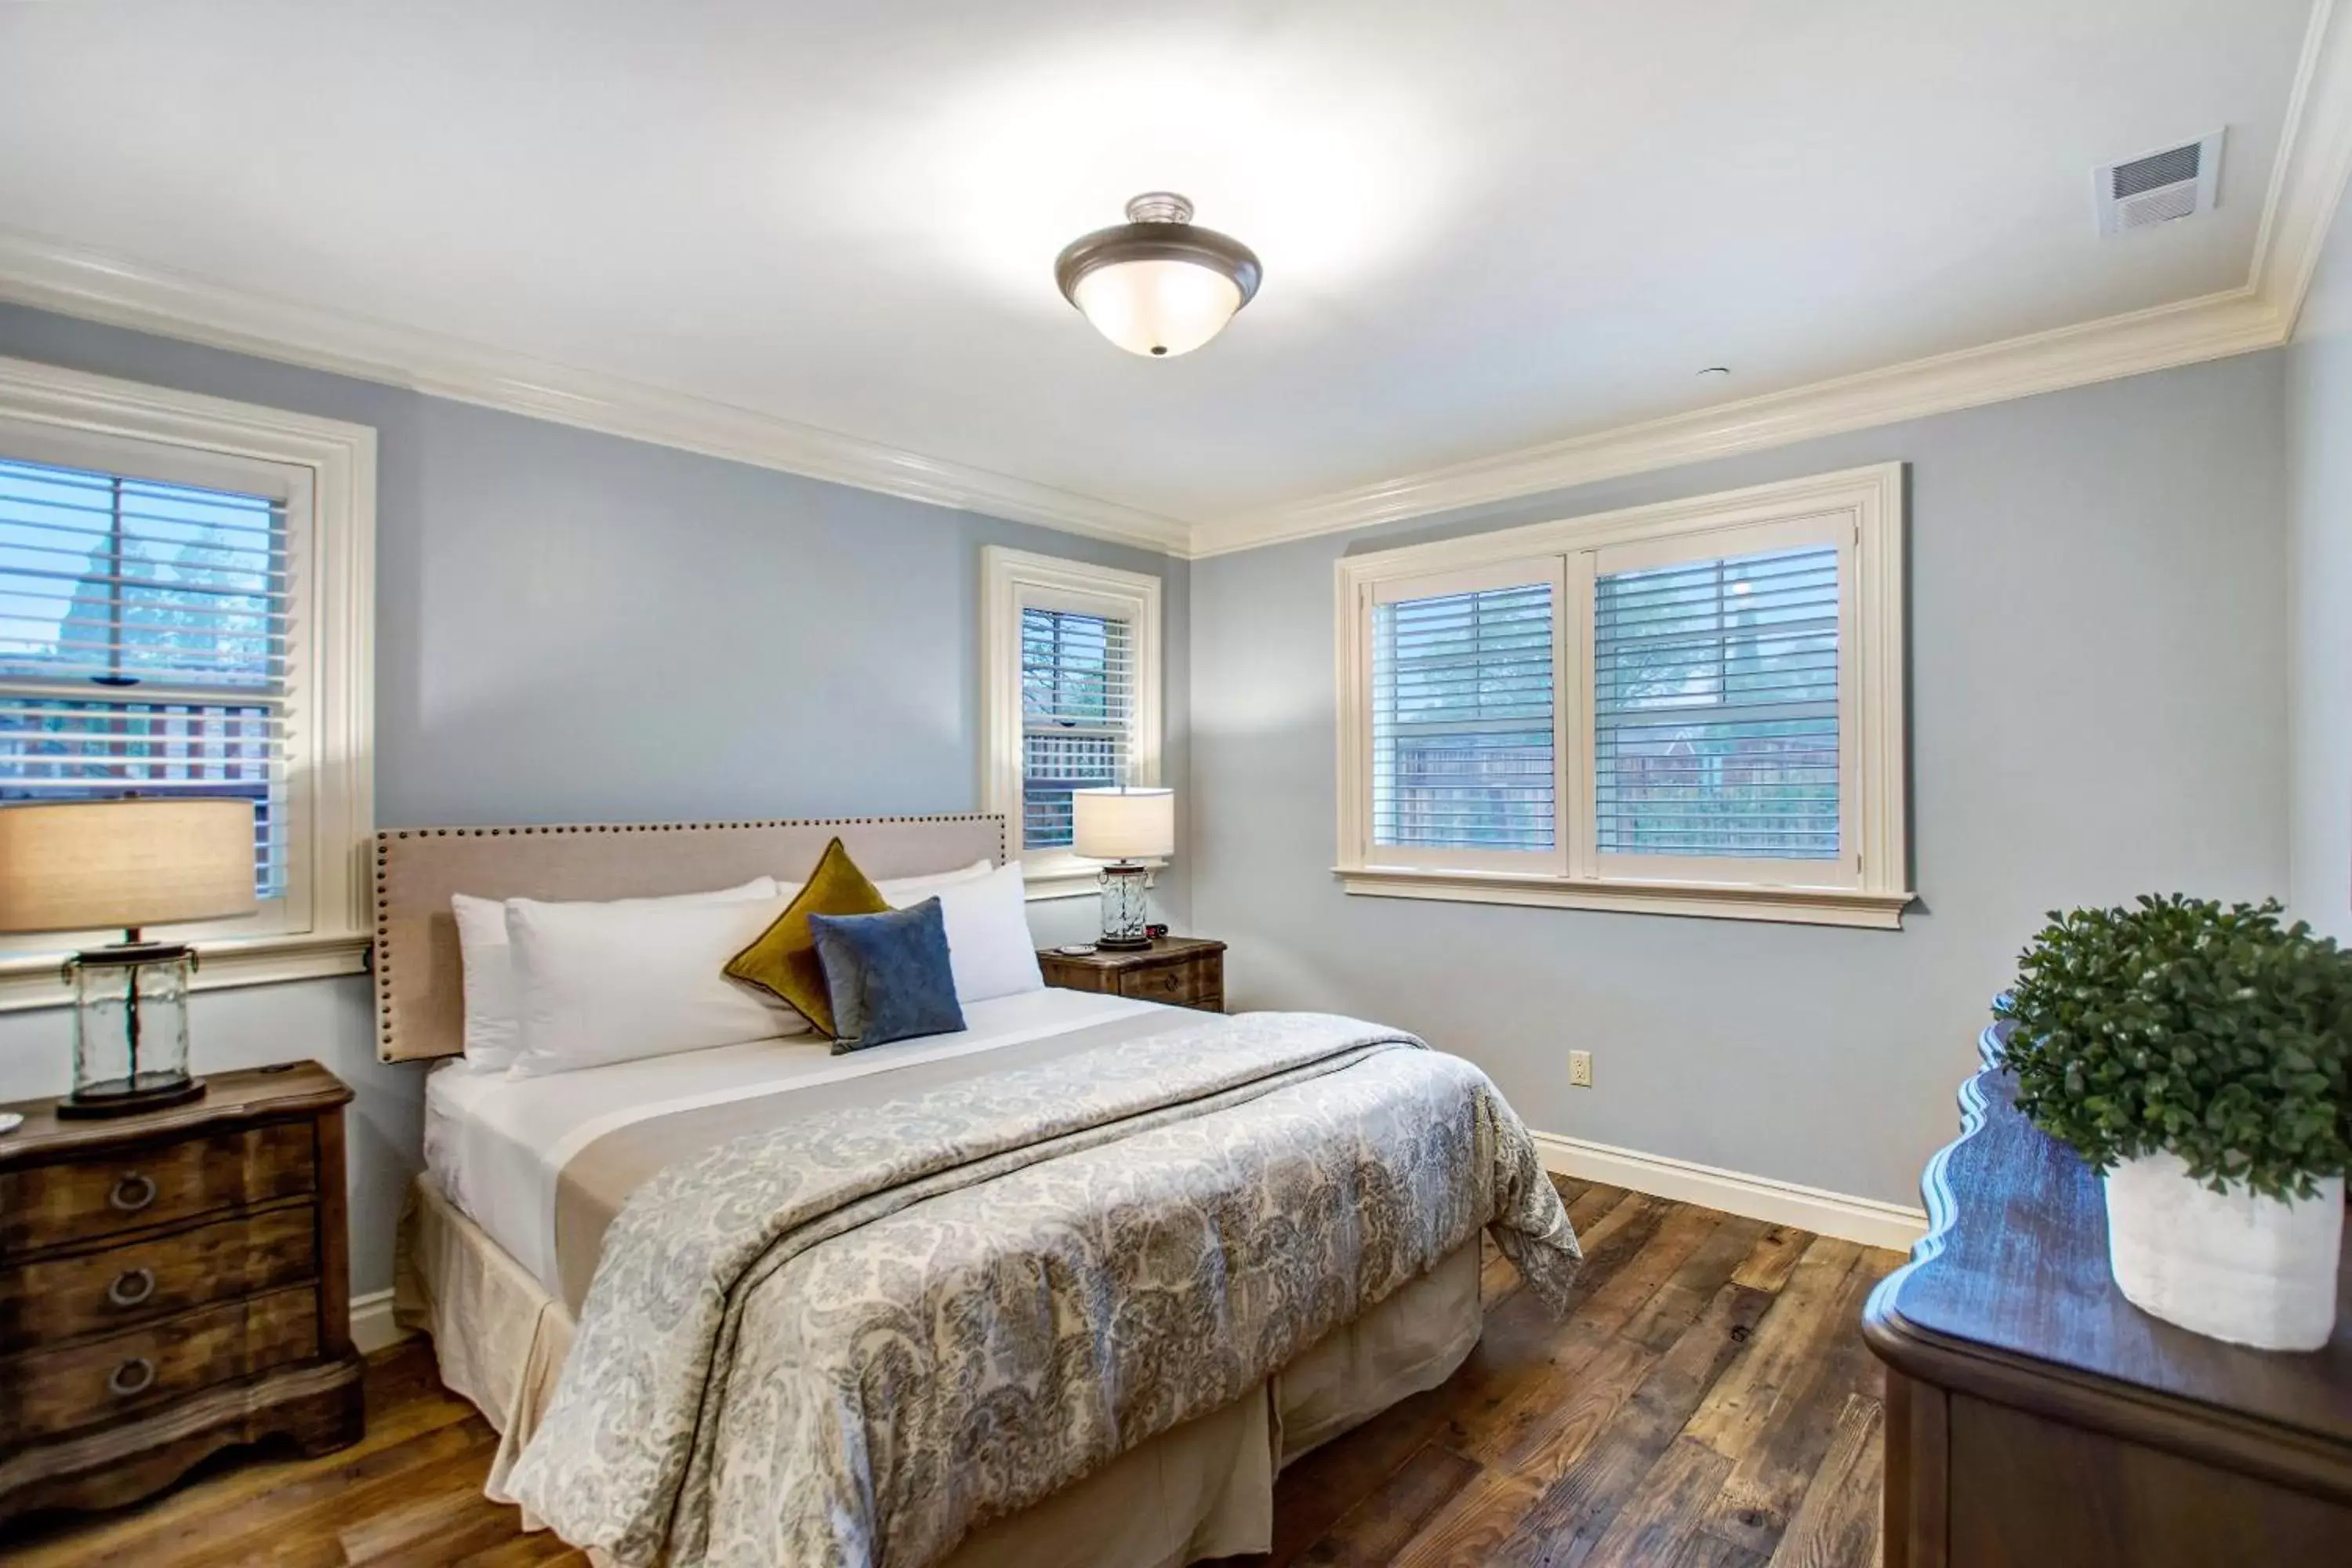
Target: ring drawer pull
{"x": 133, "y": 1192}
{"x": 131, "y": 1287}
{"x": 134, "y": 1376}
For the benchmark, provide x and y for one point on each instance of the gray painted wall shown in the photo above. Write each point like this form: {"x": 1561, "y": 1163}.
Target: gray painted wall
{"x": 2097, "y": 678}
{"x": 2098, "y": 675}
{"x": 576, "y": 627}
{"x": 2319, "y": 490}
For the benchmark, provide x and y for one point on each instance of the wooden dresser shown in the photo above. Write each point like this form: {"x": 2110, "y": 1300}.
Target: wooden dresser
{"x": 2035, "y": 1418}
{"x": 1184, "y": 971}
{"x": 171, "y": 1284}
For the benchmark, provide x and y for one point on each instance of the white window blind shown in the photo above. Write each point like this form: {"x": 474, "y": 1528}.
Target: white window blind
{"x": 143, "y": 645}
{"x": 1462, "y": 722}
{"x": 1716, "y": 708}
{"x": 1077, "y": 715}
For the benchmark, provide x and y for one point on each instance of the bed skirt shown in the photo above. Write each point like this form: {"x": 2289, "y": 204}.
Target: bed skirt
{"x": 1203, "y": 1490}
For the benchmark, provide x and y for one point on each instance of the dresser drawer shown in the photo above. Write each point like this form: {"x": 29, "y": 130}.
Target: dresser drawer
{"x": 1195, "y": 983}
{"x": 59, "y": 1297}
{"x": 92, "y": 1198}
{"x": 42, "y": 1393}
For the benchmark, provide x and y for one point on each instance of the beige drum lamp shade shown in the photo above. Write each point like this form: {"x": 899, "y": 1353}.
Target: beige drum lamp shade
{"x": 91, "y": 865}
{"x": 1123, "y": 824}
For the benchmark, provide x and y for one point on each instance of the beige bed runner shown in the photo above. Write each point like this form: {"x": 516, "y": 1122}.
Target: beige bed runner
{"x": 598, "y": 1181}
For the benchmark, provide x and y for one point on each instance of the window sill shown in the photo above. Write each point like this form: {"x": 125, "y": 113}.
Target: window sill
{"x": 28, "y": 982}
{"x": 1039, "y": 886}
{"x": 1060, "y": 884}
{"x": 1712, "y": 901}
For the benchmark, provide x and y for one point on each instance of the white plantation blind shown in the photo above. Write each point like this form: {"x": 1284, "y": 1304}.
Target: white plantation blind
{"x": 1716, "y": 708}
{"x": 143, "y": 645}
{"x": 1462, "y": 720}
{"x": 1077, "y": 715}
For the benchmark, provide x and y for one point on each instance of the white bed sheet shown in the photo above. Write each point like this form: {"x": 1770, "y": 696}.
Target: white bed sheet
{"x": 495, "y": 1145}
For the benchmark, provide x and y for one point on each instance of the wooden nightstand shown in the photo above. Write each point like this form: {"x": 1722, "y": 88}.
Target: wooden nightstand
{"x": 171, "y": 1284}
{"x": 1185, "y": 970}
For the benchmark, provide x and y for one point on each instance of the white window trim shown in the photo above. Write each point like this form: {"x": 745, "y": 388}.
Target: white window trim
{"x": 335, "y": 462}
{"x": 1865, "y": 504}
{"x": 1009, "y": 580}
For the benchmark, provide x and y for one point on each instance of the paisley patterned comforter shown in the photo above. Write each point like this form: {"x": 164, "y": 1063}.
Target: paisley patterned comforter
{"x": 850, "y": 1339}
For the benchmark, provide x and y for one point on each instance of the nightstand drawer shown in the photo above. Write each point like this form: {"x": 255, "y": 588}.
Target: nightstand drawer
{"x": 1180, "y": 970}
{"x": 66, "y": 1296}
{"x": 90, "y": 1199}
{"x": 1188, "y": 984}
{"x": 42, "y": 1393}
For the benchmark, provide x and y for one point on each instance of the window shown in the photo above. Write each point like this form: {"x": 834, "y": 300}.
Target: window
{"x": 1071, "y": 662}
{"x": 1715, "y": 712}
{"x": 1694, "y": 709}
{"x": 180, "y": 614}
{"x": 143, "y": 645}
{"x": 1465, "y": 761}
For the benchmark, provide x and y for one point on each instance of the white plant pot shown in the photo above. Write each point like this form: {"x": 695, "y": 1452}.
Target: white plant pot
{"x": 2252, "y": 1270}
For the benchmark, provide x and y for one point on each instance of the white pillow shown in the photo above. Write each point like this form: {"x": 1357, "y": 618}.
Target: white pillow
{"x": 900, "y": 891}
{"x": 492, "y": 1004}
{"x": 987, "y": 920}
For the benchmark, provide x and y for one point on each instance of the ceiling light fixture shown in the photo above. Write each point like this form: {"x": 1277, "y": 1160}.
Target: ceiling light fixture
{"x": 1157, "y": 285}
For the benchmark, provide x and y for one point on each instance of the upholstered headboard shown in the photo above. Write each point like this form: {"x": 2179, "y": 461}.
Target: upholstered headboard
{"x": 419, "y": 984}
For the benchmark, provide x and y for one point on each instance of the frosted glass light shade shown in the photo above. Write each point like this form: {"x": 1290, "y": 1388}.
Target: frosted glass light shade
{"x": 1158, "y": 308}
{"x": 91, "y": 864}
{"x": 1123, "y": 825}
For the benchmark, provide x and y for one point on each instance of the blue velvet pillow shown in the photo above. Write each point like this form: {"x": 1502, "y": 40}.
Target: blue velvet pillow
{"x": 887, "y": 975}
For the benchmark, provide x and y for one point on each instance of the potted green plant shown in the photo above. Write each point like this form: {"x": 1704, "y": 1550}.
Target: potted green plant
{"x": 2196, "y": 1057}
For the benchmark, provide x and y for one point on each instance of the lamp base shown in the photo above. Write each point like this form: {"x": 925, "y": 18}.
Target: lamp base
{"x": 119, "y": 1096}
{"x": 131, "y": 1028}
{"x": 1122, "y": 883}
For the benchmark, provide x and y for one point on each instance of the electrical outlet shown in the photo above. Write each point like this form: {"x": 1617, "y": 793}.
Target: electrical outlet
{"x": 1580, "y": 1070}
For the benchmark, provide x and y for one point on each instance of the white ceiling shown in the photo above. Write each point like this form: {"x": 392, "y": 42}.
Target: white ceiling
{"x": 1484, "y": 223}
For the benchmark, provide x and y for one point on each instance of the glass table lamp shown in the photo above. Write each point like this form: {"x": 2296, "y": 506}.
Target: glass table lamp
{"x": 89, "y": 865}
{"x": 1125, "y": 827}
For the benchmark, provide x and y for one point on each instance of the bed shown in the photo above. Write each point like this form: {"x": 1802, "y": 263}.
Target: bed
{"x": 1038, "y": 1255}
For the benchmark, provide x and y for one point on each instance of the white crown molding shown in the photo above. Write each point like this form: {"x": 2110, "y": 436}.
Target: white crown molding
{"x": 2212, "y": 327}
{"x": 2306, "y": 186}
{"x": 75, "y": 282}
{"x": 52, "y": 277}
{"x": 2314, "y": 164}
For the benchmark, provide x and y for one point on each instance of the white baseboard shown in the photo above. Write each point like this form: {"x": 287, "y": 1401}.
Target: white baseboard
{"x": 1865, "y": 1220}
{"x": 372, "y": 1327}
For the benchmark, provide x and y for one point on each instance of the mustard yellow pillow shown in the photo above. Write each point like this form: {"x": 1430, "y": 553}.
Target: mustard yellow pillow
{"x": 783, "y": 961}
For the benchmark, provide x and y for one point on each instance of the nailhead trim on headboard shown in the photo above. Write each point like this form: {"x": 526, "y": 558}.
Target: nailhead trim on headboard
{"x": 382, "y": 967}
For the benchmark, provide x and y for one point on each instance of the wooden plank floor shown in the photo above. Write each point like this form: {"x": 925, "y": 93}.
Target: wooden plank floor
{"x": 1708, "y": 1404}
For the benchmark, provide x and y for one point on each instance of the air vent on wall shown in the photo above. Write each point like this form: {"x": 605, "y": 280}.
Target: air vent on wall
{"x": 2160, "y": 187}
